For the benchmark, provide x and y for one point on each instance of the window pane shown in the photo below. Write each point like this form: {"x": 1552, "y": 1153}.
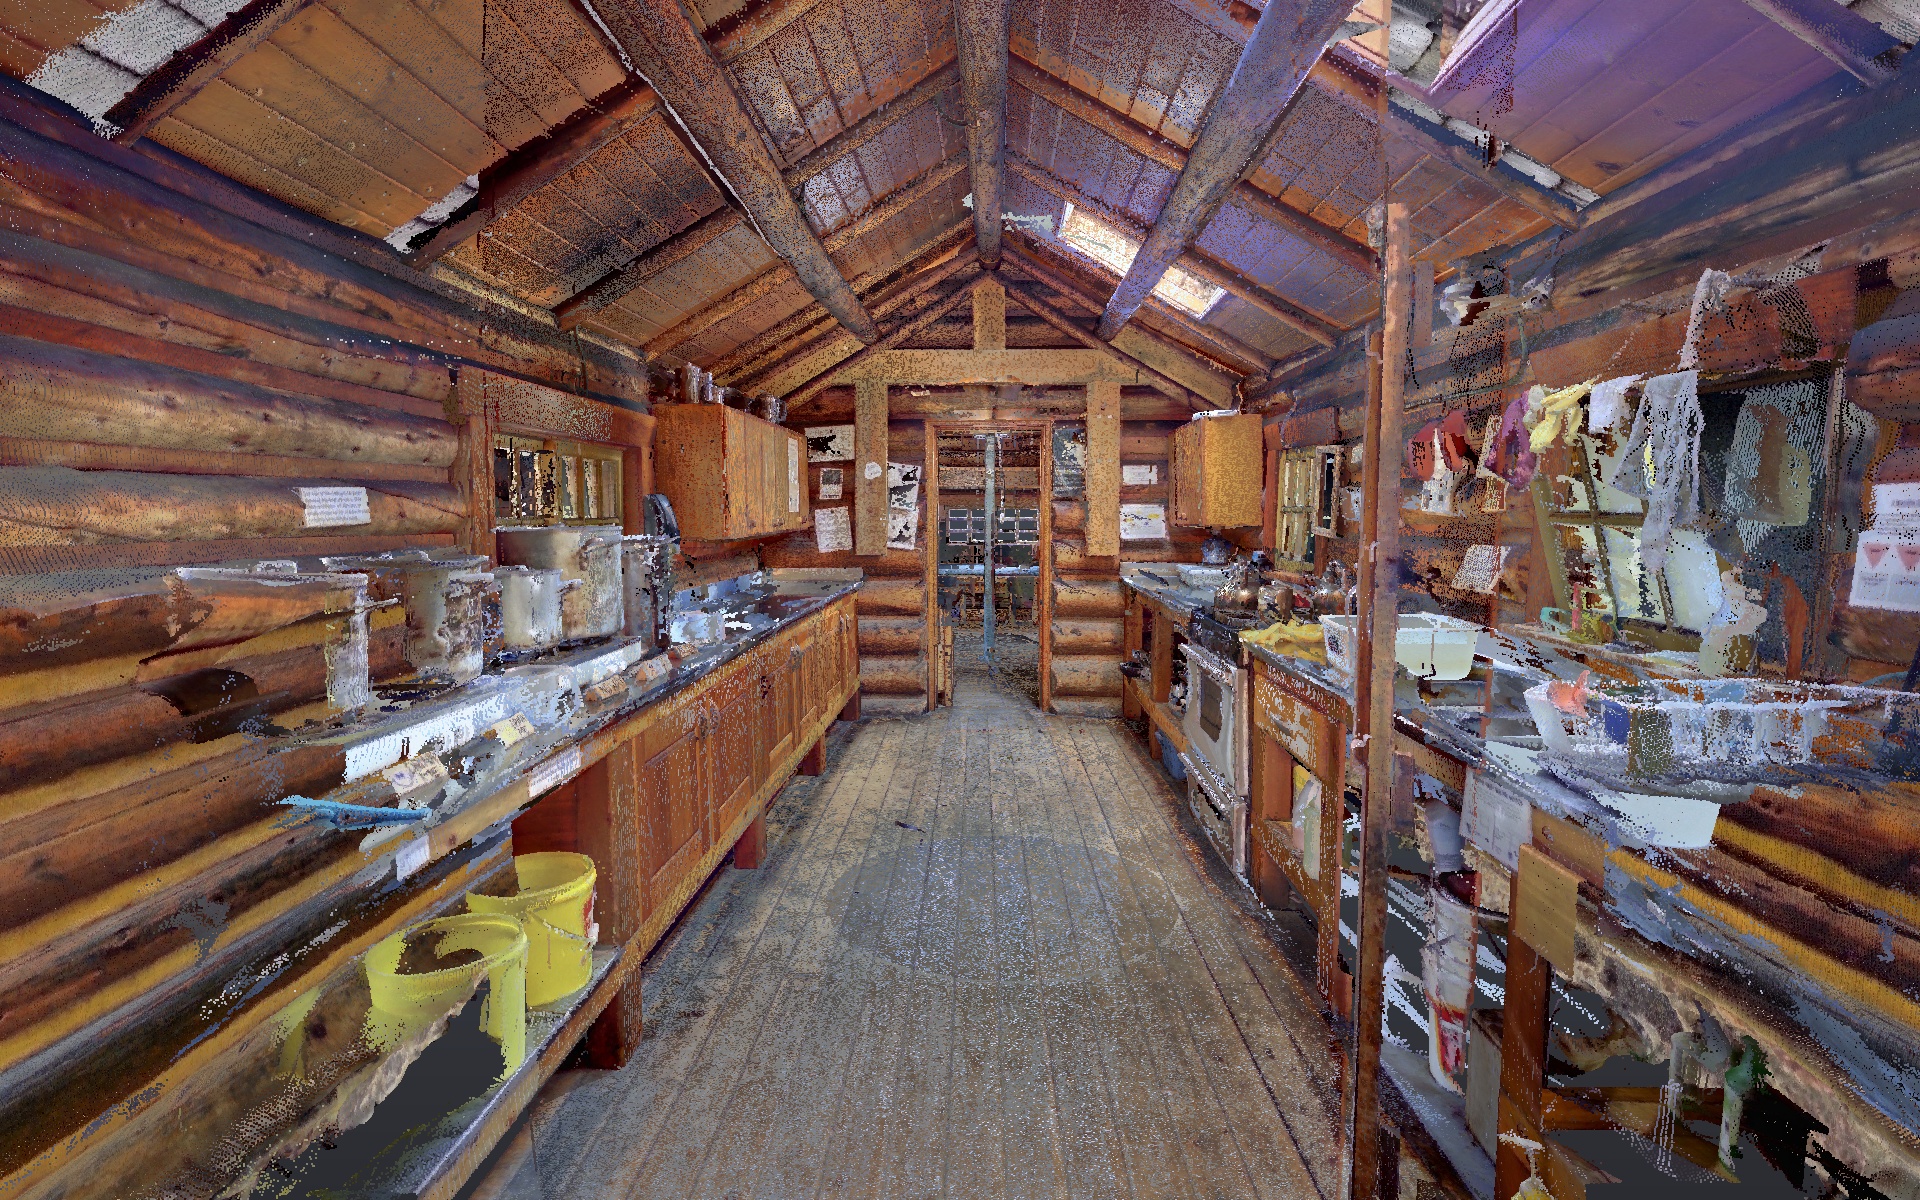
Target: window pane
{"x": 1581, "y": 562}
{"x": 1636, "y": 591}
{"x": 1605, "y": 457}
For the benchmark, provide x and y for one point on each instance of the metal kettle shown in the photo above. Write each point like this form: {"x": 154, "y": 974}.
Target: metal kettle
{"x": 1335, "y": 599}
{"x": 1240, "y": 591}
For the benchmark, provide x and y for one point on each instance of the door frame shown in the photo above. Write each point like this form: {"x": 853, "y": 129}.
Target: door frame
{"x": 1043, "y": 587}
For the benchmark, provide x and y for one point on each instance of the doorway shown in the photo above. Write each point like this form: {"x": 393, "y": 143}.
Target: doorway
{"x": 992, "y": 556}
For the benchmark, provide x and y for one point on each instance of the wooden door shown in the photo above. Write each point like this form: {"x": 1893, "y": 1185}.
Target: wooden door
{"x": 732, "y": 724}
{"x": 776, "y": 704}
{"x": 673, "y": 790}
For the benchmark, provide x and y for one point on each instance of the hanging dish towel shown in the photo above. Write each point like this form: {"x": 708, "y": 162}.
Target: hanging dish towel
{"x": 1669, "y": 421}
{"x": 1609, "y": 402}
{"x": 1508, "y": 455}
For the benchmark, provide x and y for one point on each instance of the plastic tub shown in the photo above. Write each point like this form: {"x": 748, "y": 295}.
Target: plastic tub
{"x": 1427, "y": 645}
{"x": 406, "y": 1001}
{"x": 554, "y": 905}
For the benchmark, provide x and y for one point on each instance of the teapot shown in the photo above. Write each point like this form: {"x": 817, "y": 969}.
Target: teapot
{"x": 1335, "y": 599}
{"x": 1239, "y": 592}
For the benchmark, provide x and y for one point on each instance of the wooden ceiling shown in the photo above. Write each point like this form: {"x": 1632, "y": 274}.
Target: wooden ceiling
{"x": 515, "y": 142}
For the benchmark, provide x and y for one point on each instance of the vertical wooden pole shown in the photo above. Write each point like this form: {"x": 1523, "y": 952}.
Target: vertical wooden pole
{"x": 607, "y": 830}
{"x": 1134, "y": 633}
{"x": 1043, "y": 595}
{"x": 1523, "y": 1051}
{"x": 1160, "y": 671}
{"x": 472, "y": 471}
{"x": 1103, "y": 470}
{"x": 930, "y": 489}
{"x": 869, "y": 467}
{"x": 989, "y": 315}
{"x": 1380, "y": 565}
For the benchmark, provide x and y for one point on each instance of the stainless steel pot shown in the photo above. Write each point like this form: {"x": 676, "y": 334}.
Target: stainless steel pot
{"x": 445, "y": 601}
{"x": 646, "y": 576}
{"x": 529, "y": 608}
{"x": 586, "y": 554}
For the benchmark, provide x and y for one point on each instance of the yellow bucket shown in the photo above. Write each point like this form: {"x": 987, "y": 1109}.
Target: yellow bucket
{"x": 554, "y": 904}
{"x": 406, "y": 1001}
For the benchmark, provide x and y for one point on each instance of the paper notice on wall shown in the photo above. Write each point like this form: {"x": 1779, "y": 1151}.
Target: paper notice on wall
{"x": 1480, "y": 569}
{"x": 903, "y": 485}
{"x": 901, "y": 526}
{"x": 831, "y": 482}
{"x": 793, "y": 476}
{"x": 833, "y": 530}
{"x": 1143, "y": 522}
{"x": 327, "y": 507}
{"x": 829, "y": 443}
{"x": 554, "y": 772}
{"x": 1139, "y": 474}
{"x": 412, "y": 855}
{"x": 1896, "y": 506}
{"x": 1497, "y": 817}
{"x": 1886, "y": 570}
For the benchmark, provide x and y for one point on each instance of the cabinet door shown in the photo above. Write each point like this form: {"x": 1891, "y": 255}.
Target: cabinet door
{"x": 673, "y": 793}
{"x": 1184, "y": 479}
{"x": 776, "y": 703}
{"x": 731, "y": 725}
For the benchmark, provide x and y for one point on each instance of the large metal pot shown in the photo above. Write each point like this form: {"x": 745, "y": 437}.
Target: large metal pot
{"x": 529, "y": 620}
{"x": 646, "y": 575}
{"x": 445, "y": 600}
{"x": 586, "y": 554}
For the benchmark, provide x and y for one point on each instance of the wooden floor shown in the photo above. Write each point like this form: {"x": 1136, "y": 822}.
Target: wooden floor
{"x": 983, "y": 959}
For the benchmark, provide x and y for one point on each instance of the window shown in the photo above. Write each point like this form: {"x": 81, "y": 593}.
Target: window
{"x": 1115, "y": 250}
{"x": 1669, "y": 607}
{"x": 539, "y": 480}
{"x": 1299, "y": 502}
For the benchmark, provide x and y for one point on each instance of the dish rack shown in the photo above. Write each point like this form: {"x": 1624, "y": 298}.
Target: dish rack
{"x": 1727, "y": 722}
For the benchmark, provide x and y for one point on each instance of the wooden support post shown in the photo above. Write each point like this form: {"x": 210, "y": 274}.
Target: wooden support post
{"x": 751, "y": 850}
{"x": 1161, "y": 670}
{"x": 1133, "y": 641}
{"x": 1422, "y": 336}
{"x": 1523, "y": 1053}
{"x": 851, "y": 710}
{"x": 1103, "y": 470}
{"x": 990, "y": 315}
{"x": 869, "y": 467}
{"x": 1043, "y": 597}
{"x": 607, "y": 830}
{"x": 815, "y": 761}
{"x": 1373, "y": 701}
{"x": 930, "y": 496}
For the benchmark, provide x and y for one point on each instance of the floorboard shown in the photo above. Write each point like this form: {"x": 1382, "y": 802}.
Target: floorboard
{"x": 984, "y": 958}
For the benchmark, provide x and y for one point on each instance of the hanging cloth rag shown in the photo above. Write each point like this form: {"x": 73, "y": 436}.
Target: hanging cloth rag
{"x": 1709, "y": 296}
{"x": 1669, "y": 421}
{"x": 1548, "y": 413}
{"x": 1609, "y": 402}
{"x": 1508, "y": 454}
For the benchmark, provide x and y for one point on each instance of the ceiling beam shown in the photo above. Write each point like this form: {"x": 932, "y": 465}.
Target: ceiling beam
{"x": 706, "y": 316}
{"x": 982, "y": 28}
{"x": 662, "y": 43}
{"x": 1840, "y": 35}
{"x": 616, "y": 283}
{"x": 182, "y": 76}
{"x": 1196, "y": 262}
{"x": 533, "y": 166}
{"x": 1239, "y": 127}
{"x": 870, "y": 126}
{"x": 1150, "y": 145}
{"x": 745, "y": 359}
{"x": 1230, "y": 351}
{"x": 1046, "y": 312}
{"x": 754, "y": 23}
{"x": 901, "y": 333}
{"x": 894, "y": 203}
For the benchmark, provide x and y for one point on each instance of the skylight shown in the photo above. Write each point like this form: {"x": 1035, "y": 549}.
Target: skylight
{"x": 1115, "y": 250}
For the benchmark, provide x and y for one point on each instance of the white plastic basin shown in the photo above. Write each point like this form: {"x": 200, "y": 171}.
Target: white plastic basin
{"x": 1428, "y": 646}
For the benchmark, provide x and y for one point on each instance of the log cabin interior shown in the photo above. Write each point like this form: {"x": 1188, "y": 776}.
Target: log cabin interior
{"x": 968, "y": 598}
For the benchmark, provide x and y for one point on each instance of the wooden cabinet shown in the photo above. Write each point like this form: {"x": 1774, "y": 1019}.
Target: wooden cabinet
{"x": 672, "y": 791}
{"x": 733, "y": 729}
{"x": 729, "y": 475}
{"x": 1217, "y": 468}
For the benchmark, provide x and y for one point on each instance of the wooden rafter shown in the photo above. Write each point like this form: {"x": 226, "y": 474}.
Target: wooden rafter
{"x": 1216, "y": 344}
{"x": 659, "y": 39}
{"x": 735, "y": 302}
{"x": 611, "y": 286}
{"x": 752, "y": 25}
{"x": 1196, "y": 262}
{"x": 1842, "y": 36}
{"x": 182, "y": 77}
{"x": 533, "y": 166}
{"x": 871, "y": 126}
{"x": 1145, "y": 142}
{"x": 1240, "y": 125}
{"x": 1046, "y": 312}
{"x": 894, "y": 203}
{"x": 906, "y": 329}
{"x": 747, "y": 359}
{"x": 981, "y": 33}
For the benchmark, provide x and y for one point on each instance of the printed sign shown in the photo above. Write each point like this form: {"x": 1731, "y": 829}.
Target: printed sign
{"x": 901, "y": 525}
{"x": 1497, "y": 817}
{"x": 412, "y": 855}
{"x": 1139, "y": 474}
{"x": 829, "y": 443}
{"x": 1896, "y": 504}
{"x": 327, "y": 507}
{"x": 833, "y": 530}
{"x": 831, "y": 481}
{"x": 514, "y": 729}
{"x": 793, "y": 476}
{"x": 554, "y": 772}
{"x": 1143, "y": 522}
{"x": 1886, "y": 570}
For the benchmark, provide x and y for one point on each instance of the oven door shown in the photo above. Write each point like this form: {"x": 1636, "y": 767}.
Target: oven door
{"x": 1215, "y": 720}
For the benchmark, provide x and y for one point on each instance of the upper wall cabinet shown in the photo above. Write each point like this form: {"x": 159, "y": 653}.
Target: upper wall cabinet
{"x": 1217, "y": 465}
{"x": 728, "y": 474}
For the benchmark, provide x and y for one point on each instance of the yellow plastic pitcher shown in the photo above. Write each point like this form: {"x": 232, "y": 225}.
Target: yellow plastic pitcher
{"x": 554, "y": 904}
{"x": 404, "y": 1002}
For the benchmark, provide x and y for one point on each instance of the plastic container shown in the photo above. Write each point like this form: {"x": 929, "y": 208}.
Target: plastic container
{"x": 1427, "y": 645}
{"x": 405, "y": 1002}
{"x": 554, "y": 905}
